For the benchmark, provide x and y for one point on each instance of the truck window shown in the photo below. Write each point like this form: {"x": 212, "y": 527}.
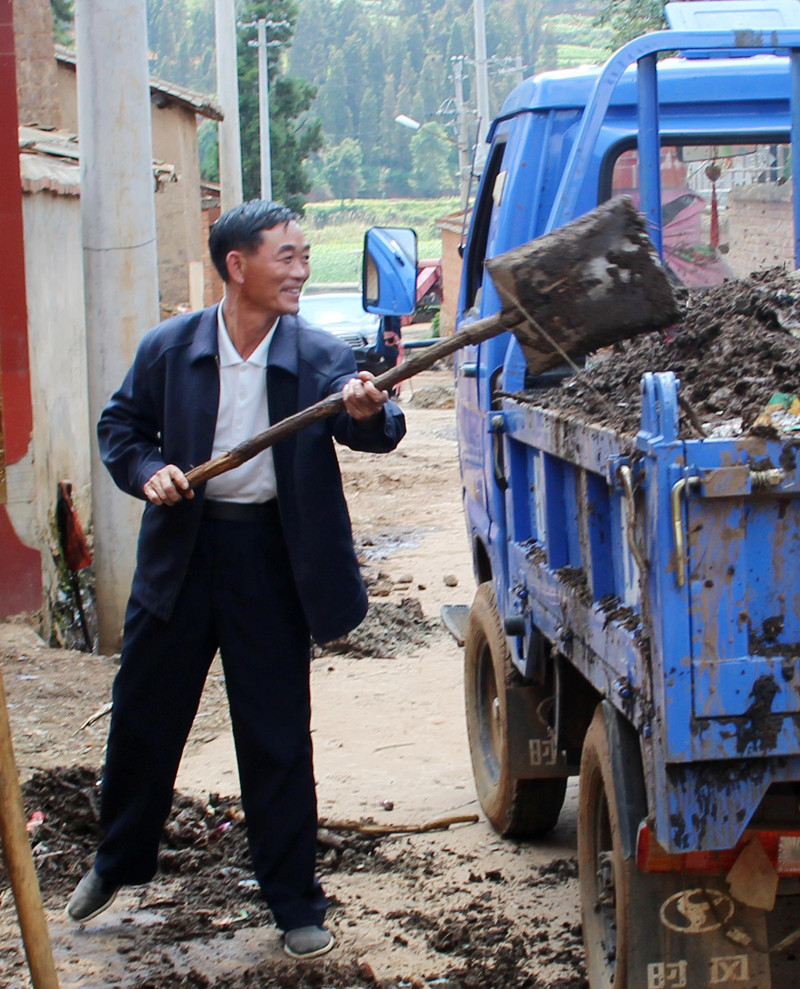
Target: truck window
{"x": 727, "y": 209}
{"x": 485, "y": 208}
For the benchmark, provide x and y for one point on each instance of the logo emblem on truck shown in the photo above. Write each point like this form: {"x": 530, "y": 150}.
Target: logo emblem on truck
{"x": 696, "y": 911}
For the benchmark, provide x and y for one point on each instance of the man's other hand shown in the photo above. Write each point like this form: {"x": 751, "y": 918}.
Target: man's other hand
{"x": 362, "y": 399}
{"x": 167, "y": 486}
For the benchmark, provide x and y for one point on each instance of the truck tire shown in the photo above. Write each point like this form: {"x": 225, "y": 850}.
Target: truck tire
{"x": 603, "y": 871}
{"x": 515, "y": 807}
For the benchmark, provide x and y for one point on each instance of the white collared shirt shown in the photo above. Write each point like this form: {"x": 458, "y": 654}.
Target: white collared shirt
{"x": 242, "y": 413}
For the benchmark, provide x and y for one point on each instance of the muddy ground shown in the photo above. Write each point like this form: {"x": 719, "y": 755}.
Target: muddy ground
{"x": 454, "y": 908}
{"x": 733, "y": 349}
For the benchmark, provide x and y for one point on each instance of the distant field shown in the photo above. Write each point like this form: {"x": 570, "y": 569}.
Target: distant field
{"x": 579, "y": 40}
{"x": 336, "y": 231}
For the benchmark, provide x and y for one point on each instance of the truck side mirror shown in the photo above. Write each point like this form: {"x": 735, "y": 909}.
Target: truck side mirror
{"x": 389, "y": 272}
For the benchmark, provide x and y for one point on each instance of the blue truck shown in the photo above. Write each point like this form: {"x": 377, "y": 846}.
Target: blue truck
{"x": 637, "y": 615}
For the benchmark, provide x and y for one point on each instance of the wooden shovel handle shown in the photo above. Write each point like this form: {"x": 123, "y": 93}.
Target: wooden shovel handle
{"x": 20, "y": 868}
{"x": 472, "y": 333}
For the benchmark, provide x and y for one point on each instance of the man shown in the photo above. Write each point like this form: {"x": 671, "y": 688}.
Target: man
{"x": 254, "y": 564}
{"x": 390, "y": 340}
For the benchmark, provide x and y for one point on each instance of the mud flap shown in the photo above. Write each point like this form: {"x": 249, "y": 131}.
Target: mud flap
{"x": 532, "y": 749}
{"x": 688, "y": 931}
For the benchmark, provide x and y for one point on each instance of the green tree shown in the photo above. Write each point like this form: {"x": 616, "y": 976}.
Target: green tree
{"x": 202, "y": 61}
{"x": 333, "y": 102}
{"x": 430, "y": 90}
{"x": 343, "y": 168}
{"x": 294, "y": 133}
{"x": 432, "y": 162}
{"x": 294, "y": 136}
{"x": 63, "y": 21}
{"x": 208, "y": 150}
{"x": 627, "y": 19}
{"x": 310, "y": 51}
{"x": 168, "y": 40}
{"x": 368, "y": 137}
{"x": 370, "y": 61}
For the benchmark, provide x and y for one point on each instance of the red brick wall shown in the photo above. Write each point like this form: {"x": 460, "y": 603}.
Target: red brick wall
{"x": 758, "y": 230}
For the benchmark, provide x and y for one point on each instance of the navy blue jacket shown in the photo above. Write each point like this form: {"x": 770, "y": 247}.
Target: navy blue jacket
{"x": 166, "y": 412}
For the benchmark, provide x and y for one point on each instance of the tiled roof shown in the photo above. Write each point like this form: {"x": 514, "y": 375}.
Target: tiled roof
{"x": 167, "y": 91}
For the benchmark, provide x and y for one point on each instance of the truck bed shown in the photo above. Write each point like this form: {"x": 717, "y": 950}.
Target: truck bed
{"x": 663, "y": 569}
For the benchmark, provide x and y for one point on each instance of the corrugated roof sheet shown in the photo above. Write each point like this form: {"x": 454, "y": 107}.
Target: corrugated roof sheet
{"x": 49, "y": 161}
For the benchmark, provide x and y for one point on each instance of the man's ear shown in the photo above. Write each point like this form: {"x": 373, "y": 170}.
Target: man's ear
{"x": 235, "y": 263}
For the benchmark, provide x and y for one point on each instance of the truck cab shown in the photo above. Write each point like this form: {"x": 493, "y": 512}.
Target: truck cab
{"x": 725, "y": 211}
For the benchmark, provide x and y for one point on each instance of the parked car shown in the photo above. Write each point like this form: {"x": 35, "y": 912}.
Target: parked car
{"x": 342, "y": 314}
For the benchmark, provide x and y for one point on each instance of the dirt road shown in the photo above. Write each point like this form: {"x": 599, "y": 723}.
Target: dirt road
{"x": 451, "y": 908}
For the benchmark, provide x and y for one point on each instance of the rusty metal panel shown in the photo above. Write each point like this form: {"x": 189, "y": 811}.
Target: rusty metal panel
{"x": 727, "y": 482}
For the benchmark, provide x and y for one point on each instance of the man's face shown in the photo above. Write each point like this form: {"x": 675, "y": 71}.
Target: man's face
{"x": 271, "y": 278}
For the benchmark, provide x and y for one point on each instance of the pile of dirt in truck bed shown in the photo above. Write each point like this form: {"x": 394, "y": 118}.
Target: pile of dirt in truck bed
{"x": 733, "y": 350}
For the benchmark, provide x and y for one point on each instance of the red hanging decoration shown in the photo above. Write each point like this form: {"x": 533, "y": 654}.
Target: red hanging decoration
{"x": 713, "y": 172}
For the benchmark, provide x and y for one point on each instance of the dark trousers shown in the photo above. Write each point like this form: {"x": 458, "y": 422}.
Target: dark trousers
{"x": 238, "y": 596}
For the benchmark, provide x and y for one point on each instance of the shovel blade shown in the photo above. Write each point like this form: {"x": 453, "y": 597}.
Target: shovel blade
{"x": 589, "y": 284}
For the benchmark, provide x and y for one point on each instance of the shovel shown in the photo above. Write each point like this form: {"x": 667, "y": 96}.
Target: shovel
{"x": 591, "y": 283}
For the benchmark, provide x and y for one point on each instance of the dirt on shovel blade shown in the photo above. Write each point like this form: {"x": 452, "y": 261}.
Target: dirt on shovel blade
{"x": 732, "y": 350}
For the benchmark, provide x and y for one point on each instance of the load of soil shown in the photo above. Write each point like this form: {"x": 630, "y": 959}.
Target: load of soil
{"x": 732, "y": 351}
{"x": 206, "y": 889}
{"x": 388, "y": 628}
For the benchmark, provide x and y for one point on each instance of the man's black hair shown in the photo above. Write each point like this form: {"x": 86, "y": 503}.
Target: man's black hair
{"x": 239, "y": 229}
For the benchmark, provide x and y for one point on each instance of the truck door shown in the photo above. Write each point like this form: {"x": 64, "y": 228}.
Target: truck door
{"x": 476, "y": 365}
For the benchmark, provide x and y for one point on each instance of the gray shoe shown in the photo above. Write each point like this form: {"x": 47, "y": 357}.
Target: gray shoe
{"x": 92, "y": 895}
{"x": 308, "y": 942}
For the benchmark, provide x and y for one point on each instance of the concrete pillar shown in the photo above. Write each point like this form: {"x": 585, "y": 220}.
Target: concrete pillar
{"x": 230, "y": 141}
{"x": 264, "y": 145}
{"x": 464, "y": 162}
{"x": 482, "y": 84}
{"x": 119, "y": 256}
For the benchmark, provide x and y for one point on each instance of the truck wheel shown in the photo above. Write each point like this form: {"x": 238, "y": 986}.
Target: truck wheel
{"x": 604, "y": 873}
{"x": 515, "y": 807}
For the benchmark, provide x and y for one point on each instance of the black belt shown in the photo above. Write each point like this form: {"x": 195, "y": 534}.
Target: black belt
{"x": 235, "y": 511}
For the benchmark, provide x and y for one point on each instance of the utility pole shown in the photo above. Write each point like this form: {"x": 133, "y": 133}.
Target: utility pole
{"x": 482, "y": 81}
{"x": 265, "y": 151}
{"x": 120, "y": 258}
{"x": 464, "y": 164}
{"x": 230, "y": 141}
{"x": 263, "y": 111}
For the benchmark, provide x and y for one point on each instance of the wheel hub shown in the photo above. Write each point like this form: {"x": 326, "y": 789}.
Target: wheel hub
{"x": 606, "y": 888}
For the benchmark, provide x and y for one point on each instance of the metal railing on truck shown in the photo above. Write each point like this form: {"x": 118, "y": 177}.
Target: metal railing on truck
{"x": 644, "y": 51}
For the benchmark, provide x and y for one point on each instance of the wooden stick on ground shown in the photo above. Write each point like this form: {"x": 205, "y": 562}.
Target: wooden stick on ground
{"x": 19, "y": 863}
{"x": 364, "y": 827}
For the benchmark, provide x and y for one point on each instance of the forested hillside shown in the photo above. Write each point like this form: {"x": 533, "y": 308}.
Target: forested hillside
{"x": 373, "y": 60}
{"x": 368, "y": 61}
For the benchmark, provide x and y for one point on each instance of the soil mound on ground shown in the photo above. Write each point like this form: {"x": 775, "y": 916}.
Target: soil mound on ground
{"x": 732, "y": 351}
{"x": 390, "y": 627}
{"x": 206, "y": 889}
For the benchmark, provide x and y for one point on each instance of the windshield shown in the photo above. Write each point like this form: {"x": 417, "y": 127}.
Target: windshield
{"x": 727, "y": 208}
{"x": 327, "y": 309}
